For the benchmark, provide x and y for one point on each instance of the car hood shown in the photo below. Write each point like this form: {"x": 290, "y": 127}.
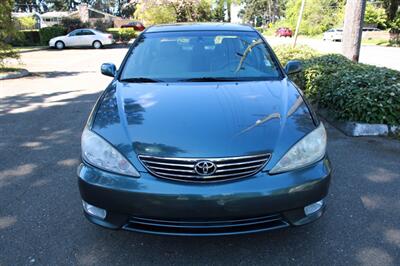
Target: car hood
{"x": 202, "y": 119}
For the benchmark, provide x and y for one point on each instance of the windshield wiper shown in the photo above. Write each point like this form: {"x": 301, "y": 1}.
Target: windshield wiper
{"x": 207, "y": 79}
{"x": 140, "y": 80}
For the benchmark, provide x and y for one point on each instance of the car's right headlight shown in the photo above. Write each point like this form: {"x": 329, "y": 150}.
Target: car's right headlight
{"x": 99, "y": 153}
{"x": 308, "y": 150}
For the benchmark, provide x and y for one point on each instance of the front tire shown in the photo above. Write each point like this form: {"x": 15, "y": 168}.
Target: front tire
{"x": 97, "y": 45}
{"x": 60, "y": 45}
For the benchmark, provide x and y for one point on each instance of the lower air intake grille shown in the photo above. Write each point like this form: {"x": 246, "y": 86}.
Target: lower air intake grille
{"x": 204, "y": 169}
{"x": 204, "y": 228}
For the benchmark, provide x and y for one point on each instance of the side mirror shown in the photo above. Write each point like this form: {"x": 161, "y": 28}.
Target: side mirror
{"x": 108, "y": 69}
{"x": 293, "y": 67}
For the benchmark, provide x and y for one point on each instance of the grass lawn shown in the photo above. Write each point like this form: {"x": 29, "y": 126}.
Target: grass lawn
{"x": 381, "y": 42}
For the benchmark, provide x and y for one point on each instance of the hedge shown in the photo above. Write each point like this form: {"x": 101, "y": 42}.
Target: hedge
{"x": 351, "y": 91}
{"x": 26, "y": 38}
{"x": 50, "y": 32}
{"x": 122, "y": 35}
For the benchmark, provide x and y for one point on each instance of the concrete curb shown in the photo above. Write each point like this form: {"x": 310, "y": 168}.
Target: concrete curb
{"x": 356, "y": 129}
{"x": 14, "y": 75}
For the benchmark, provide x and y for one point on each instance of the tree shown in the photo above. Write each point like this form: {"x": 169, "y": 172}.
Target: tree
{"x": 391, "y": 7}
{"x": 128, "y": 9}
{"x": 25, "y": 23}
{"x": 6, "y": 30}
{"x": 353, "y": 23}
{"x": 319, "y": 15}
{"x": 31, "y": 6}
{"x": 375, "y": 16}
{"x": 263, "y": 10}
{"x": 218, "y": 13}
{"x": 204, "y": 11}
{"x": 173, "y": 11}
{"x": 153, "y": 14}
{"x": 59, "y": 5}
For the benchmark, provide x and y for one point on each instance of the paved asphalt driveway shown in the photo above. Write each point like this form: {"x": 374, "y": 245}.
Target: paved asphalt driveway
{"x": 41, "y": 221}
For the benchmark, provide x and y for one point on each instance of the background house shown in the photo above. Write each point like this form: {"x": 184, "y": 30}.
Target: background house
{"x": 88, "y": 14}
{"x": 52, "y": 18}
{"x": 84, "y": 13}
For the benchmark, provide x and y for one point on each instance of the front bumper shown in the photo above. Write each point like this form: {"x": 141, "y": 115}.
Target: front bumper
{"x": 153, "y": 205}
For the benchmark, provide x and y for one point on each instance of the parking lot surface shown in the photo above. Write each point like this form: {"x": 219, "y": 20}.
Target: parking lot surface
{"x": 41, "y": 221}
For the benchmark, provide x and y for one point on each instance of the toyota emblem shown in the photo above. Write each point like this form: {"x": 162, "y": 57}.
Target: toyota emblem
{"x": 205, "y": 168}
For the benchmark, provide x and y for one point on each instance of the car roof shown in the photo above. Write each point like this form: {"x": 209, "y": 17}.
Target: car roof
{"x": 84, "y": 29}
{"x": 199, "y": 27}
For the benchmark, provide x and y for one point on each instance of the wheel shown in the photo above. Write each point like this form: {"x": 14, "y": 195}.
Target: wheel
{"x": 97, "y": 45}
{"x": 60, "y": 45}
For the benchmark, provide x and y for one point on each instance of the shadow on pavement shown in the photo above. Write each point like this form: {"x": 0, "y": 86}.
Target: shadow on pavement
{"x": 56, "y": 74}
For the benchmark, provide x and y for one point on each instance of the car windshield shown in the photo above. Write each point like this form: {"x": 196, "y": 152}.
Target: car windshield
{"x": 200, "y": 56}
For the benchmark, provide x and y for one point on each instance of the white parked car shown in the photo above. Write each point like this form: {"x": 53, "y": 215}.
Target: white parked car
{"x": 82, "y": 37}
{"x": 333, "y": 35}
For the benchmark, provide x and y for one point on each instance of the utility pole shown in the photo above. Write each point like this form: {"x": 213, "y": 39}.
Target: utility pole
{"x": 352, "y": 32}
{"x": 303, "y": 2}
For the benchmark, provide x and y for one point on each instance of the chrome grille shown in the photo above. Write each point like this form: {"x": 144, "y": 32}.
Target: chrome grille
{"x": 184, "y": 168}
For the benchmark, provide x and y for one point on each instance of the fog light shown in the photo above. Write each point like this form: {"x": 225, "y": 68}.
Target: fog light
{"x": 93, "y": 210}
{"x": 312, "y": 208}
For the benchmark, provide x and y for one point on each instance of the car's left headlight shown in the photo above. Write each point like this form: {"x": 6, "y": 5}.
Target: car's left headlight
{"x": 308, "y": 150}
{"x": 99, "y": 153}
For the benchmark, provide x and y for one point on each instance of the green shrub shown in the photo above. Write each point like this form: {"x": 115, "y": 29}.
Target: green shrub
{"x": 286, "y": 53}
{"x": 355, "y": 92}
{"x": 127, "y": 34}
{"x": 50, "y": 32}
{"x": 300, "y": 52}
{"x": 25, "y": 38}
{"x": 375, "y": 16}
{"x": 351, "y": 91}
{"x": 122, "y": 35}
{"x": 114, "y": 32}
